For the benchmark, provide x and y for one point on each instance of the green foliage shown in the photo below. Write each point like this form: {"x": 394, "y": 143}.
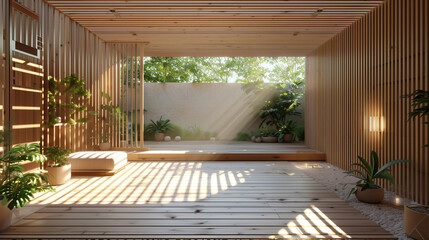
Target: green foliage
{"x": 194, "y": 133}
{"x": 267, "y": 132}
{"x": 56, "y": 156}
{"x": 300, "y": 133}
{"x": 17, "y": 187}
{"x": 276, "y": 111}
{"x": 160, "y": 126}
{"x": 420, "y": 105}
{"x": 108, "y": 114}
{"x": 367, "y": 172}
{"x": 241, "y": 136}
{"x": 75, "y": 90}
{"x": 223, "y": 69}
{"x": 288, "y": 128}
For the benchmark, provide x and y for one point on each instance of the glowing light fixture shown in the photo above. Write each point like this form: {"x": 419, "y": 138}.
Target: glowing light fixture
{"x": 376, "y": 124}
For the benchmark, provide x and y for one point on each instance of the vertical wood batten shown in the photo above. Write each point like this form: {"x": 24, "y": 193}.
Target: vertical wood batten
{"x": 364, "y": 72}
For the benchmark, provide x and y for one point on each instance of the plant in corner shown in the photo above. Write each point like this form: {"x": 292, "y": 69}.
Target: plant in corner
{"x": 159, "y": 128}
{"x": 366, "y": 190}
{"x": 287, "y": 133}
{"x": 16, "y": 186}
{"x": 268, "y": 134}
{"x": 59, "y": 170}
{"x": 416, "y": 217}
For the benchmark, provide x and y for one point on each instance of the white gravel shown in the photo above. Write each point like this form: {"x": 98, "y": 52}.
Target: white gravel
{"x": 387, "y": 215}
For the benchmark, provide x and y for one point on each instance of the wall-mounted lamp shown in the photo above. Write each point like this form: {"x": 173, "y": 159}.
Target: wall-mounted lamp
{"x": 376, "y": 124}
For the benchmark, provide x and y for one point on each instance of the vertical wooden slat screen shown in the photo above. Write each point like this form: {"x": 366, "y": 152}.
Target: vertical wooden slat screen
{"x": 3, "y": 21}
{"x": 362, "y": 74}
{"x": 109, "y": 68}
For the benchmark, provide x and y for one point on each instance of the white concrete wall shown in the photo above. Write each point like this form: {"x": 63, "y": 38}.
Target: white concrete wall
{"x": 223, "y": 108}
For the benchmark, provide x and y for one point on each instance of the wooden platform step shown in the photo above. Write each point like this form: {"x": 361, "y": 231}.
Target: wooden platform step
{"x": 154, "y": 156}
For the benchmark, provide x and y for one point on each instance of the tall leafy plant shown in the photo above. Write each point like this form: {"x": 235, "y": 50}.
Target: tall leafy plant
{"x": 108, "y": 114}
{"x": 16, "y": 187}
{"x": 277, "y": 110}
{"x": 74, "y": 90}
{"x": 420, "y": 105}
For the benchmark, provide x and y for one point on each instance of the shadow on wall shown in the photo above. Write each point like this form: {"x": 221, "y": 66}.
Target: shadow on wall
{"x": 221, "y": 108}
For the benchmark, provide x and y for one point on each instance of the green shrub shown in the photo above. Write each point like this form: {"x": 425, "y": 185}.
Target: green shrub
{"x": 241, "y": 136}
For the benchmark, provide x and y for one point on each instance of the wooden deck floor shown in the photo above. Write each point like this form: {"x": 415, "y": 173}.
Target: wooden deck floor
{"x": 226, "y": 151}
{"x": 195, "y": 200}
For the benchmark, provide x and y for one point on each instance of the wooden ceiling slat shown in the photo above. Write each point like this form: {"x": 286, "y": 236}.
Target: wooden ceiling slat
{"x": 216, "y": 27}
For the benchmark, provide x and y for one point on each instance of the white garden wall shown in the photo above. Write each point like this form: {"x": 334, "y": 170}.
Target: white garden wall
{"x": 224, "y": 108}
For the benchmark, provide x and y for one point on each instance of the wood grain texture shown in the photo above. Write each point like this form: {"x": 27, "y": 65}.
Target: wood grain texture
{"x": 217, "y": 28}
{"x": 195, "y": 200}
{"x": 364, "y": 72}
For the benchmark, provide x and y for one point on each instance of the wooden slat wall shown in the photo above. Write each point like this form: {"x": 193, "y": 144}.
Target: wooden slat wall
{"x": 27, "y": 73}
{"x": 2, "y": 63}
{"x": 70, "y": 48}
{"x": 363, "y": 72}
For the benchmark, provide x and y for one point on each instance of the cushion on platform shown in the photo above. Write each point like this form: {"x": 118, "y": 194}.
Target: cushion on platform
{"x": 97, "y": 161}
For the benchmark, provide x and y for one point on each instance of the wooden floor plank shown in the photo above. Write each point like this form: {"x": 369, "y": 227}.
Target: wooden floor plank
{"x": 195, "y": 200}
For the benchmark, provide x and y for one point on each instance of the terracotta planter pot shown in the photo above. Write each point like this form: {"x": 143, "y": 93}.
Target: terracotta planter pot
{"x": 5, "y": 217}
{"x": 159, "y": 137}
{"x": 416, "y": 221}
{"x": 370, "y": 195}
{"x": 59, "y": 175}
{"x": 287, "y": 138}
{"x": 269, "y": 139}
{"x": 105, "y": 146}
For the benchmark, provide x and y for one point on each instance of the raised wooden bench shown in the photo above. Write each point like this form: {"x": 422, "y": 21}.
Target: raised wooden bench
{"x": 97, "y": 163}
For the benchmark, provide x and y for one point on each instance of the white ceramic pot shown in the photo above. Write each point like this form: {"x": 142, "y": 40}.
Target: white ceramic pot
{"x": 177, "y": 139}
{"x": 167, "y": 138}
{"x": 5, "y": 217}
{"x": 212, "y": 139}
{"x": 104, "y": 146}
{"x": 59, "y": 175}
{"x": 370, "y": 195}
{"x": 258, "y": 140}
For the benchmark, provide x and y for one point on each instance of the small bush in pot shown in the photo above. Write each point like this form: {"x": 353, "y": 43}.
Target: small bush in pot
{"x": 366, "y": 190}
{"x": 287, "y": 132}
{"x": 268, "y": 135}
{"x": 16, "y": 187}
{"x": 159, "y": 128}
{"x": 59, "y": 170}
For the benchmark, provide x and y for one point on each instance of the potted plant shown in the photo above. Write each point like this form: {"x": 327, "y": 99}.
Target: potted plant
{"x": 17, "y": 187}
{"x": 109, "y": 114}
{"x": 416, "y": 217}
{"x": 275, "y": 111}
{"x": 366, "y": 190}
{"x": 287, "y": 132}
{"x": 268, "y": 135}
{"x": 59, "y": 170}
{"x": 159, "y": 128}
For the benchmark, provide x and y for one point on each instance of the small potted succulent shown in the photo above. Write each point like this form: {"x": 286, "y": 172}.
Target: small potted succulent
{"x": 159, "y": 128}
{"x": 17, "y": 187}
{"x": 366, "y": 190}
{"x": 287, "y": 132}
{"x": 59, "y": 170}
